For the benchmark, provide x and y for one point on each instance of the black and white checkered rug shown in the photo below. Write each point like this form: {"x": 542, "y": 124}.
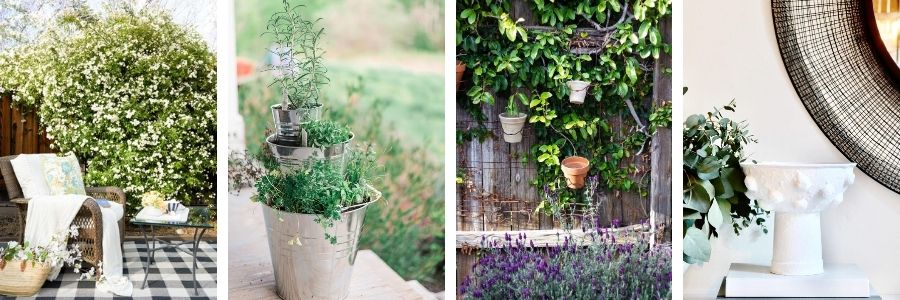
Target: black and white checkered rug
{"x": 170, "y": 276}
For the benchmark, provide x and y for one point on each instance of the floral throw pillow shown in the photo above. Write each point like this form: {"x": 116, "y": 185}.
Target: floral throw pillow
{"x": 63, "y": 175}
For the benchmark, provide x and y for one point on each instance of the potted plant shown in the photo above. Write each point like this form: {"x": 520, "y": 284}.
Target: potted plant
{"x": 25, "y": 268}
{"x": 300, "y": 72}
{"x": 577, "y": 90}
{"x": 313, "y": 185}
{"x": 323, "y": 139}
{"x": 460, "y": 69}
{"x": 512, "y": 120}
{"x": 314, "y": 216}
{"x": 575, "y": 168}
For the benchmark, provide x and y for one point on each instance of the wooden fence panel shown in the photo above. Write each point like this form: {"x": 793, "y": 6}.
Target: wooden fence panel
{"x": 497, "y": 195}
{"x": 20, "y": 132}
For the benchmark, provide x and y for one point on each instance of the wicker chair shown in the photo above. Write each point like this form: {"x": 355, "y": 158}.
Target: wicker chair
{"x": 89, "y": 220}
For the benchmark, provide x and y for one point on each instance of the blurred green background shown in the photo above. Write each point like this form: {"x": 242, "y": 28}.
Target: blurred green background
{"x": 385, "y": 62}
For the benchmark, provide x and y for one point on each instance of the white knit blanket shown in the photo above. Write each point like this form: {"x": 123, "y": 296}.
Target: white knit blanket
{"x": 48, "y": 215}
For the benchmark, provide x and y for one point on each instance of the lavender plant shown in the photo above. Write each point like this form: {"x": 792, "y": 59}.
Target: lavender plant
{"x": 603, "y": 270}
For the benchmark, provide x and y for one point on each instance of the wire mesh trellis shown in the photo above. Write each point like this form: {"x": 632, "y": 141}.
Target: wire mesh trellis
{"x": 496, "y": 193}
{"x": 831, "y": 57}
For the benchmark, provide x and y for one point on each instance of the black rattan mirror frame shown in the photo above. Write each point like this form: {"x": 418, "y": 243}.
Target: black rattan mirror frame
{"x": 845, "y": 78}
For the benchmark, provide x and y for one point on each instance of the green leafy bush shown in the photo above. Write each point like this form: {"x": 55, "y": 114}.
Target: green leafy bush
{"x": 129, "y": 92}
{"x": 713, "y": 184}
{"x": 507, "y": 56}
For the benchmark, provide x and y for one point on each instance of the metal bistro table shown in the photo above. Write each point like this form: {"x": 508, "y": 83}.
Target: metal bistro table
{"x": 198, "y": 219}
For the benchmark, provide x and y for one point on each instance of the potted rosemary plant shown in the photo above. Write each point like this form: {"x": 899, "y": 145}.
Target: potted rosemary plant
{"x": 512, "y": 120}
{"x": 300, "y": 71}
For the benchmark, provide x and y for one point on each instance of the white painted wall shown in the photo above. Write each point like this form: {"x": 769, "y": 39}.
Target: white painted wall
{"x": 731, "y": 52}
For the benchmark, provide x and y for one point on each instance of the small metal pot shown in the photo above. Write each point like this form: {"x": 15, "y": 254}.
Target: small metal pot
{"x": 288, "y": 122}
{"x": 292, "y": 157}
{"x": 316, "y": 268}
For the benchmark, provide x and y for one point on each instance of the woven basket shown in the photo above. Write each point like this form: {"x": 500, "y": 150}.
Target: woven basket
{"x": 19, "y": 280}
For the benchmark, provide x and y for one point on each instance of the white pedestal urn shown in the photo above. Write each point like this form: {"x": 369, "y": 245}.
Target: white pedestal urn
{"x": 797, "y": 193}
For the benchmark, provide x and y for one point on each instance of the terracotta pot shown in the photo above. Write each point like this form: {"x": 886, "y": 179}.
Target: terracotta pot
{"x": 577, "y": 90}
{"x": 512, "y": 127}
{"x": 575, "y": 168}
{"x": 460, "y": 69}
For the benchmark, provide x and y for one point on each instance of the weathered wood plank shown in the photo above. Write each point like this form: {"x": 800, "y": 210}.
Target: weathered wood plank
{"x": 465, "y": 259}
{"x": 543, "y": 238}
{"x": 488, "y": 176}
{"x": 501, "y": 170}
{"x": 19, "y": 131}
{"x": 661, "y": 143}
{"x": 5, "y": 125}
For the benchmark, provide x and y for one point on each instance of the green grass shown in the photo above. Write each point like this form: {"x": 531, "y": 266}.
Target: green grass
{"x": 415, "y": 110}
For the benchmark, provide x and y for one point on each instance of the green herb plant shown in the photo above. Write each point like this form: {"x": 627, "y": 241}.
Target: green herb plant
{"x": 324, "y": 133}
{"x": 713, "y": 185}
{"x": 320, "y": 187}
{"x": 297, "y": 40}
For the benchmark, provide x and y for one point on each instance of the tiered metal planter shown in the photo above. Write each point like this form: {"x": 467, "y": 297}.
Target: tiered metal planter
{"x": 288, "y": 122}
{"x": 306, "y": 264}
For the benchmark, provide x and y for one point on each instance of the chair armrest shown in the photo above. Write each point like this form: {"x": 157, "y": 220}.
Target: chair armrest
{"x": 110, "y": 193}
{"x": 23, "y": 201}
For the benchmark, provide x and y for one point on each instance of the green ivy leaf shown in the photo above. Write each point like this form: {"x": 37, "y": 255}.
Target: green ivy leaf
{"x": 614, "y": 4}
{"x": 631, "y": 72}
{"x": 622, "y": 90}
{"x": 644, "y": 29}
{"x": 655, "y": 37}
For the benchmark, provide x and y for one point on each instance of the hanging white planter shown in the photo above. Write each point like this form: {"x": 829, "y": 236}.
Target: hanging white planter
{"x": 577, "y": 90}
{"x": 512, "y": 127}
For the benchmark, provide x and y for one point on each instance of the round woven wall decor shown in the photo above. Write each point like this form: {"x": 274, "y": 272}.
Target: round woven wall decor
{"x": 845, "y": 78}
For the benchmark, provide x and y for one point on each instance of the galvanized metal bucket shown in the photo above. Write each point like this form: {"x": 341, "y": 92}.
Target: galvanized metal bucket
{"x": 288, "y": 122}
{"x": 314, "y": 268}
{"x": 293, "y": 157}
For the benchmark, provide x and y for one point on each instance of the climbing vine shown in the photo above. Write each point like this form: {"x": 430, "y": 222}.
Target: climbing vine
{"x": 611, "y": 43}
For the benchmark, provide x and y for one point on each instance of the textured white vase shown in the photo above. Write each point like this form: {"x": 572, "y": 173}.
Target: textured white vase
{"x": 797, "y": 193}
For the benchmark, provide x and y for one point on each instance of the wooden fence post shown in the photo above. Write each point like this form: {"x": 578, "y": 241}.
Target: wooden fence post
{"x": 661, "y": 145}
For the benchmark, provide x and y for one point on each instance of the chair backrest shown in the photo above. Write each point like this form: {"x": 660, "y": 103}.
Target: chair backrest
{"x": 9, "y": 178}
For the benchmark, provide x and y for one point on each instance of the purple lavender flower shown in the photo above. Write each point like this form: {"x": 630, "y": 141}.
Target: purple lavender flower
{"x": 604, "y": 270}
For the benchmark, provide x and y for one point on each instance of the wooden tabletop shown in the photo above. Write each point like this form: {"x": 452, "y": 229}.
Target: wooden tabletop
{"x": 250, "y": 274}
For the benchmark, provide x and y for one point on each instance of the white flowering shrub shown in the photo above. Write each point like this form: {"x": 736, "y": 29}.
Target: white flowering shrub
{"x": 131, "y": 93}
